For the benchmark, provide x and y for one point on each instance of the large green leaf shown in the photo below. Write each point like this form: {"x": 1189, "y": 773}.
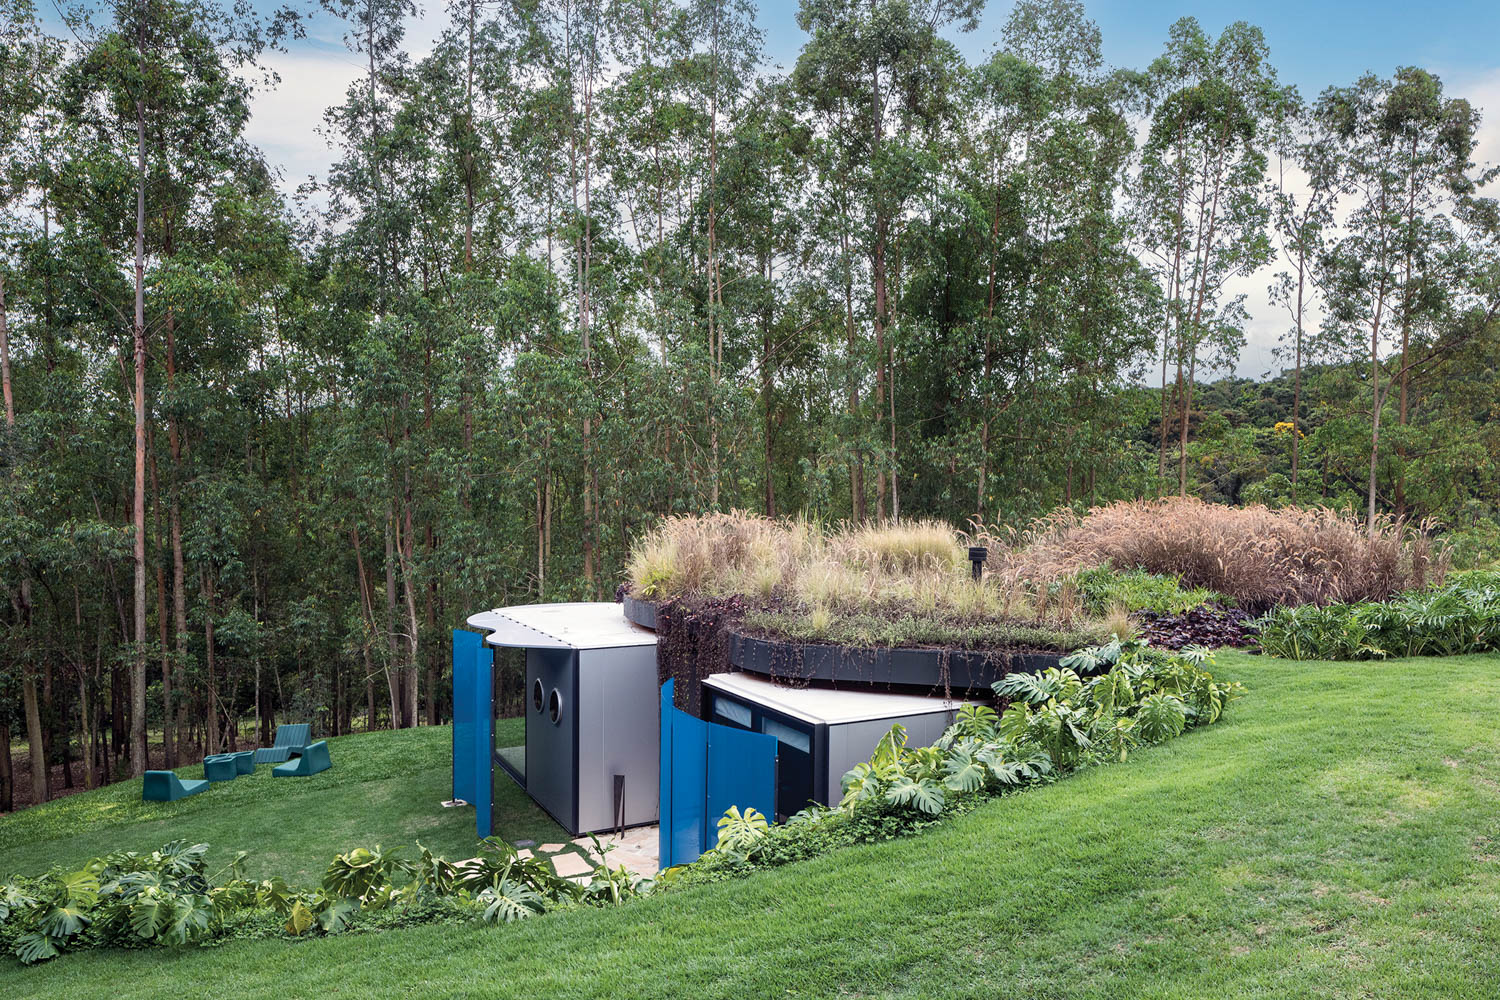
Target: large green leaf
{"x": 149, "y": 913}
{"x": 509, "y": 900}
{"x": 338, "y": 916}
{"x": 63, "y": 921}
{"x": 35, "y": 947}
{"x": 1015, "y": 722}
{"x": 741, "y": 832}
{"x": 963, "y": 773}
{"x": 1161, "y": 717}
{"x": 925, "y": 795}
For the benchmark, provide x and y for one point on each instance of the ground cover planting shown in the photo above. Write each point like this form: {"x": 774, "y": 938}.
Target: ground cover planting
{"x": 1461, "y": 617}
{"x": 1255, "y": 556}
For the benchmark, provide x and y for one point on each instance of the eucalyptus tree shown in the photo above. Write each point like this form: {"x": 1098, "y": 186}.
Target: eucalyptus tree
{"x": 1055, "y": 312}
{"x": 1198, "y": 198}
{"x": 28, "y": 63}
{"x": 375, "y": 29}
{"x": 164, "y": 89}
{"x": 1403, "y": 152}
{"x": 763, "y": 173}
{"x": 885, "y": 82}
{"x": 1303, "y": 199}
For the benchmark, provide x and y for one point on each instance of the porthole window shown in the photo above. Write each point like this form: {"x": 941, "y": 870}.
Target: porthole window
{"x": 554, "y": 707}
{"x": 537, "y": 694}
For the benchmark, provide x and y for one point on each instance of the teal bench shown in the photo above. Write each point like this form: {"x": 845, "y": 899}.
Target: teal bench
{"x": 220, "y": 767}
{"x": 290, "y": 740}
{"x": 244, "y": 761}
{"x": 314, "y": 759}
{"x": 165, "y": 786}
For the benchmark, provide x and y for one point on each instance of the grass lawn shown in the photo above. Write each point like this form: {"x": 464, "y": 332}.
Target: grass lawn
{"x": 384, "y": 788}
{"x": 1337, "y": 836}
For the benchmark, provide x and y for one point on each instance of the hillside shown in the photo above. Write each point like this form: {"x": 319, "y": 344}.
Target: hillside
{"x": 1335, "y": 836}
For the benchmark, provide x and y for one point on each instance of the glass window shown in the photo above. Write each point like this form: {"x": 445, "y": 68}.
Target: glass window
{"x": 794, "y": 738}
{"x": 554, "y": 706}
{"x": 732, "y": 710}
{"x": 538, "y": 694}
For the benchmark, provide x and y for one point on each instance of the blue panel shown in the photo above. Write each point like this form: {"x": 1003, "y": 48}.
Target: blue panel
{"x": 484, "y": 743}
{"x": 465, "y": 714}
{"x": 705, "y": 769}
{"x": 741, "y": 772}
{"x": 689, "y": 780}
{"x": 664, "y": 781}
{"x": 473, "y": 726}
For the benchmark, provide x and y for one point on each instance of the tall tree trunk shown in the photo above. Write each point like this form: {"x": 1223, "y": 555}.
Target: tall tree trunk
{"x": 878, "y": 271}
{"x": 41, "y": 785}
{"x": 1297, "y": 374}
{"x": 857, "y": 464}
{"x": 174, "y": 522}
{"x": 169, "y": 753}
{"x": 35, "y": 738}
{"x": 210, "y": 663}
{"x": 767, "y": 389}
{"x": 138, "y": 666}
{"x": 393, "y": 669}
{"x": 1375, "y": 407}
{"x": 7, "y": 771}
{"x": 715, "y": 332}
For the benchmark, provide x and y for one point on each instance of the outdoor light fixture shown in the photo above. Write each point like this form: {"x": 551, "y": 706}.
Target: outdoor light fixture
{"x": 977, "y": 555}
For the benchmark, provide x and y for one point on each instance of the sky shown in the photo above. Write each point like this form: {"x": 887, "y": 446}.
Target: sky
{"x": 1313, "y": 45}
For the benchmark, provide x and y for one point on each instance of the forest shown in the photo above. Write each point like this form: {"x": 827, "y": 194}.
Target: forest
{"x": 588, "y": 263}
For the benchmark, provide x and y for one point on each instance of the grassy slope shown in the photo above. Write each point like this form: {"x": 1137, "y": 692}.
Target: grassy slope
{"x": 1338, "y": 836}
{"x": 383, "y": 788}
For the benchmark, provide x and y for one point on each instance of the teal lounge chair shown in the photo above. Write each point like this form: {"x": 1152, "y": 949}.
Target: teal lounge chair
{"x": 220, "y": 767}
{"x": 165, "y": 786}
{"x": 314, "y": 759}
{"x": 244, "y": 761}
{"x": 290, "y": 740}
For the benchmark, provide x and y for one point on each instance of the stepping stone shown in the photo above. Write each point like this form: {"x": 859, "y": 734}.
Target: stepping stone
{"x": 525, "y": 843}
{"x": 570, "y": 864}
{"x": 523, "y": 853}
{"x": 551, "y": 848}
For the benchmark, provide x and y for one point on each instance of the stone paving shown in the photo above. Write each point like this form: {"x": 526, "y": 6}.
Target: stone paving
{"x": 636, "y": 850}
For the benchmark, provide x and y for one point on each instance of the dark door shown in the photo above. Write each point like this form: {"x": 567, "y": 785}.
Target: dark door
{"x": 794, "y": 762}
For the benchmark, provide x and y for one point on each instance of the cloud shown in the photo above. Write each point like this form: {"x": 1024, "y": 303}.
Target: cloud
{"x": 286, "y": 119}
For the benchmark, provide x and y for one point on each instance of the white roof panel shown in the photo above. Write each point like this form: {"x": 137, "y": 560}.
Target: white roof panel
{"x": 586, "y": 625}
{"x": 826, "y": 705}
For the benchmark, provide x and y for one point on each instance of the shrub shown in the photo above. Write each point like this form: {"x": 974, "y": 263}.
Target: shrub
{"x": 167, "y": 897}
{"x": 899, "y": 627}
{"x": 1256, "y": 556}
{"x": 1105, "y": 589}
{"x": 1055, "y": 722}
{"x": 1462, "y": 617}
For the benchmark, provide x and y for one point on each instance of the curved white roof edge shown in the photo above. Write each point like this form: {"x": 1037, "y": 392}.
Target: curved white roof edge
{"x": 582, "y": 625}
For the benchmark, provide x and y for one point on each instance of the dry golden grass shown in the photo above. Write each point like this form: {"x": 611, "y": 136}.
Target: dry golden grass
{"x": 1257, "y": 556}
{"x": 920, "y": 566}
{"x": 829, "y": 576}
